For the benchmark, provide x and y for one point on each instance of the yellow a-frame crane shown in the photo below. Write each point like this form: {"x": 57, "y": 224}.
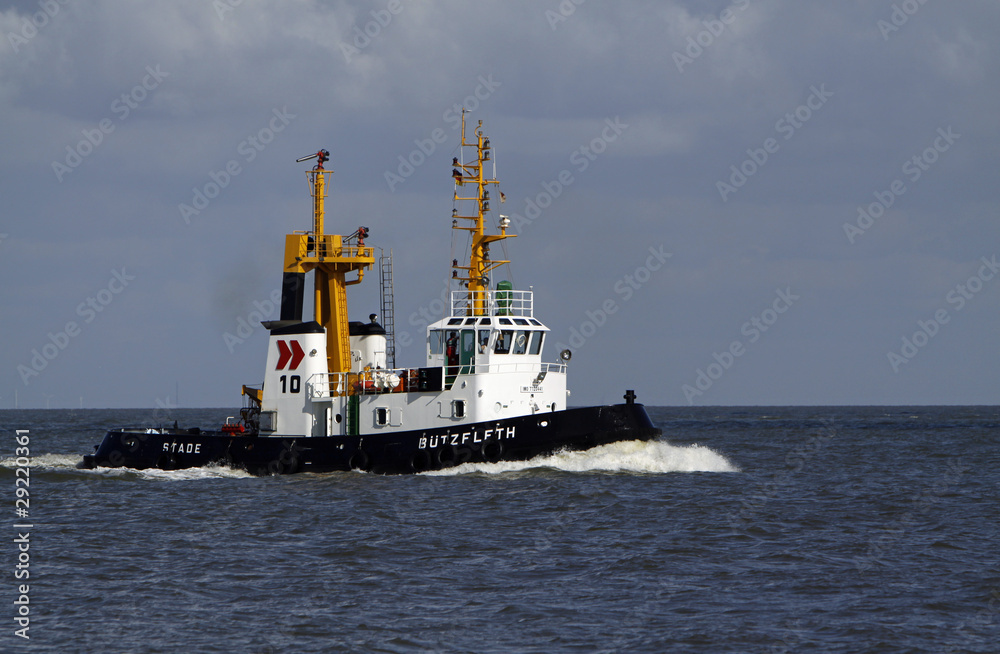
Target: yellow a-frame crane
{"x": 331, "y": 257}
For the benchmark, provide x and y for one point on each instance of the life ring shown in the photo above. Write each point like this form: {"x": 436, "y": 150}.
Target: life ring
{"x": 492, "y": 451}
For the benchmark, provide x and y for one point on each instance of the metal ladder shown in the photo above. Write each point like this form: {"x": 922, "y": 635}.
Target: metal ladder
{"x": 388, "y": 308}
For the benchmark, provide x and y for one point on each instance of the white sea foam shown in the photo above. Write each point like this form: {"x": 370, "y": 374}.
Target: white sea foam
{"x": 185, "y": 474}
{"x": 644, "y": 457}
{"x": 69, "y": 461}
{"x": 51, "y": 461}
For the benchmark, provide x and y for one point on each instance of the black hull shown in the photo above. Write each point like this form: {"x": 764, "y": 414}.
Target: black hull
{"x": 419, "y": 450}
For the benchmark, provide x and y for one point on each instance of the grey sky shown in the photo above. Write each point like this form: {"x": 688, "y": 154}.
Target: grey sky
{"x": 739, "y": 138}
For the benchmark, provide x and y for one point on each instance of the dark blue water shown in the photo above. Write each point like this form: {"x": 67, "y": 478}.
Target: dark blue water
{"x": 746, "y": 530}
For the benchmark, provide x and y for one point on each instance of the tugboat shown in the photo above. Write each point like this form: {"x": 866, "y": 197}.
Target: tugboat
{"x": 332, "y": 398}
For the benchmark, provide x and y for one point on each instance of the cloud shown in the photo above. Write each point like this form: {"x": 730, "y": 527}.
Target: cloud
{"x": 370, "y": 84}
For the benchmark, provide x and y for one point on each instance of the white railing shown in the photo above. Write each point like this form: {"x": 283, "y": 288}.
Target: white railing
{"x": 372, "y": 382}
{"x": 369, "y": 382}
{"x": 501, "y": 368}
{"x": 493, "y": 303}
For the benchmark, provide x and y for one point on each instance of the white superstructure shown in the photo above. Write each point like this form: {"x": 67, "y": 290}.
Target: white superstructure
{"x": 478, "y": 368}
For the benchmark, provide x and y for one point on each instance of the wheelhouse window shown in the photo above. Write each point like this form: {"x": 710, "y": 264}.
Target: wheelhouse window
{"x": 535, "y": 347}
{"x": 436, "y": 339}
{"x": 521, "y": 342}
{"x": 504, "y": 341}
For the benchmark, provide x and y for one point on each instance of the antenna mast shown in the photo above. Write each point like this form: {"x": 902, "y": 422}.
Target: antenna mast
{"x": 475, "y": 275}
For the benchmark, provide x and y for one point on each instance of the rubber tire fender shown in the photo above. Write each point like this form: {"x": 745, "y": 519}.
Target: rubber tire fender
{"x": 421, "y": 461}
{"x": 492, "y": 451}
{"x": 360, "y": 461}
{"x": 167, "y": 461}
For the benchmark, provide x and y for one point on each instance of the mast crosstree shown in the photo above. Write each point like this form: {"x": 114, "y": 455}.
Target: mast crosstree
{"x": 475, "y": 273}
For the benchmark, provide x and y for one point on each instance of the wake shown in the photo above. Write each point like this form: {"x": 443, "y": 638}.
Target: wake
{"x": 641, "y": 457}
{"x": 636, "y": 457}
{"x": 67, "y": 463}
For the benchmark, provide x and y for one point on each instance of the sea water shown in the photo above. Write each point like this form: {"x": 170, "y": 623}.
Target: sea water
{"x": 773, "y": 529}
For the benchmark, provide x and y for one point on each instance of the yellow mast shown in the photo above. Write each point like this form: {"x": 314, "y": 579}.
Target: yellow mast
{"x": 330, "y": 259}
{"x": 476, "y": 273}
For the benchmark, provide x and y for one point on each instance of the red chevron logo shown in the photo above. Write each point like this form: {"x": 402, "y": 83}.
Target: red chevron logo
{"x": 285, "y": 353}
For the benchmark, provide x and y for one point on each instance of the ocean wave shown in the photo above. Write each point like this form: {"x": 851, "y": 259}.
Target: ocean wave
{"x": 642, "y": 457}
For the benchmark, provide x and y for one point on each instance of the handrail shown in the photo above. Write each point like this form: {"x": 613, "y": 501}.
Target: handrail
{"x": 497, "y": 303}
{"x": 520, "y": 366}
{"x": 322, "y": 385}
{"x": 330, "y": 246}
